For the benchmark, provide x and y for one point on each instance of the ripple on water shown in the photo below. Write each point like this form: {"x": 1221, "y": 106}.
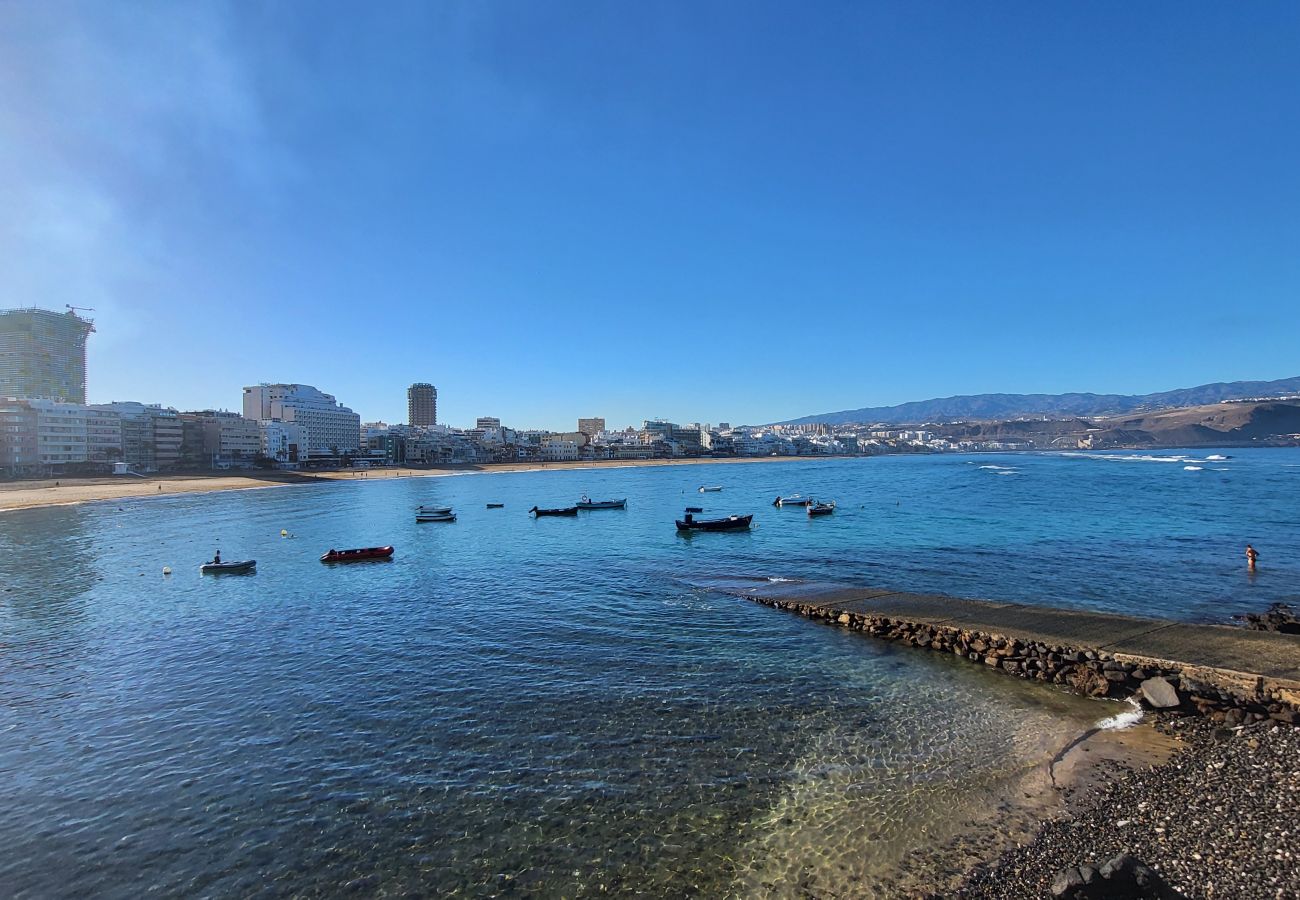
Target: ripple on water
{"x": 542, "y": 704}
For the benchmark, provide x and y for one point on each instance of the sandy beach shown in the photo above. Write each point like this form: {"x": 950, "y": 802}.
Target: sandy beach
{"x": 64, "y": 491}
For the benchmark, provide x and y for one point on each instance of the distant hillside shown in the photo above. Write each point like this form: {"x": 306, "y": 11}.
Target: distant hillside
{"x": 1009, "y": 406}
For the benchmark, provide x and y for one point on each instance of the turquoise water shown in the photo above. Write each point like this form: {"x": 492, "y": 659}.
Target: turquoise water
{"x": 549, "y": 707}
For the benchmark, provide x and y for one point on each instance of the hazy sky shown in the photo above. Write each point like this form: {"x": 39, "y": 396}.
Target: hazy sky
{"x": 697, "y": 210}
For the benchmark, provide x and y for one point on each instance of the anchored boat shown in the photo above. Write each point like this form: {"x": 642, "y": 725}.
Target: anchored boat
{"x": 565, "y": 511}
{"x": 587, "y": 503}
{"x": 730, "y": 523}
{"x": 821, "y": 509}
{"x": 357, "y": 555}
{"x": 228, "y": 568}
{"x": 796, "y": 500}
{"x": 435, "y": 517}
{"x": 710, "y": 489}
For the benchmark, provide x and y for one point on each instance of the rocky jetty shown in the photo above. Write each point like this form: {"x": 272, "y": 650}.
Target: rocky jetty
{"x": 1157, "y": 684}
{"x": 1216, "y": 821}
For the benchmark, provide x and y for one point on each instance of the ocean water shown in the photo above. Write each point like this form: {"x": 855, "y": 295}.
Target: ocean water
{"x": 550, "y": 707}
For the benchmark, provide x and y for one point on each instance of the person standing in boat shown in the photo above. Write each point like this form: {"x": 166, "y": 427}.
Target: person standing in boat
{"x": 216, "y": 558}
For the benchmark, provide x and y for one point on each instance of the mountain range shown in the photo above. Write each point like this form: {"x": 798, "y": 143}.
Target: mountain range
{"x": 1010, "y": 406}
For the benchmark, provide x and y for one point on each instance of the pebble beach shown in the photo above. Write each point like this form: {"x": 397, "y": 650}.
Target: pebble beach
{"x": 1217, "y": 820}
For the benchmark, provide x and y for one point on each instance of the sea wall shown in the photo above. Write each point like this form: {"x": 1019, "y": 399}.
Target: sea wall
{"x": 1231, "y": 697}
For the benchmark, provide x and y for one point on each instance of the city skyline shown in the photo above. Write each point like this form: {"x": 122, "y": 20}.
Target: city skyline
{"x": 672, "y": 211}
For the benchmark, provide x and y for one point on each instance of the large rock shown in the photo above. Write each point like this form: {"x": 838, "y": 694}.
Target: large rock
{"x": 1159, "y": 693}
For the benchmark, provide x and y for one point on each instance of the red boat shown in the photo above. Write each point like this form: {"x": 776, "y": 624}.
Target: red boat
{"x": 333, "y": 556}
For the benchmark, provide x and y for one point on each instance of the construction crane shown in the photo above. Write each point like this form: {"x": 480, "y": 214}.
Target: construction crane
{"x": 81, "y": 308}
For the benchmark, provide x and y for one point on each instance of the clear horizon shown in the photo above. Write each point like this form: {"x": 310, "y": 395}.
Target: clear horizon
{"x": 700, "y": 213}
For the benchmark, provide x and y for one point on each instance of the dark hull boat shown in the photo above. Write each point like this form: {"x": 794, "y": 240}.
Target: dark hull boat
{"x": 821, "y": 509}
{"x": 730, "y": 523}
{"x": 496, "y": 506}
{"x": 357, "y": 555}
{"x": 229, "y": 568}
{"x": 566, "y": 511}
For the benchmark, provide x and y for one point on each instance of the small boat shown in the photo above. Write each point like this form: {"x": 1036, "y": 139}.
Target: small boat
{"x": 496, "y": 506}
{"x": 587, "y": 503}
{"x": 710, "y": 489}
{"x": 796, "y": 500}
{"x": 821, "y": 509}
{"x": 357, "y": 555}
{"x": 228, "y": 568}
{"x": 435, "y": 517}
{"x": 432, "y": 510}
{"x": 694, "y": 509}
{"x": 730, "y": 523}
{"x": 566, "y": 511}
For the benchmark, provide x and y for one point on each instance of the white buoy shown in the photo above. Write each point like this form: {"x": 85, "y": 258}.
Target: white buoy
{"x": 284, "y": 532}
{"x": 167, "y": 570}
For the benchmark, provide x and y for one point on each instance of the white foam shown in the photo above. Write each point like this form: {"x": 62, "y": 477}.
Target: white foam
{"x": 1130, "y": 457}
{"x": 999, "y": 468}
{"x": 1216, "y": 457}
{"x": 1192, "y": 468}
{"x": 1120, "y": 721}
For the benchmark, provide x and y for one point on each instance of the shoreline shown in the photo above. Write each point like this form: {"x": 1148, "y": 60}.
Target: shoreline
{"x": 1214, "y": 819}
{"x": 38, "y": 494}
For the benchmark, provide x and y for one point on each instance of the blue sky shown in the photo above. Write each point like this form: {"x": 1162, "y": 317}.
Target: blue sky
{"x": 701, "y": 211}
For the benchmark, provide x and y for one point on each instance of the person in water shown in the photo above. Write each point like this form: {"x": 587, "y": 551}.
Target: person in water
{"x": 1251, "y": 555}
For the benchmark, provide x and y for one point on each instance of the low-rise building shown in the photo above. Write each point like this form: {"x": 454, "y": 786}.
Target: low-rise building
{"x": 42, "y": 437}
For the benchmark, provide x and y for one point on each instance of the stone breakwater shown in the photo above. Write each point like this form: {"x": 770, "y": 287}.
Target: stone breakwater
{"x": 1094, "y": 673}
{"x": 1229, "y": 675}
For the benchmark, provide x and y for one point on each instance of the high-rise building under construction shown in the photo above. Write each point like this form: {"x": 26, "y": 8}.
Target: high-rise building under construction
{"x": 422, "y": 405}
{"x": 43, "y": 355}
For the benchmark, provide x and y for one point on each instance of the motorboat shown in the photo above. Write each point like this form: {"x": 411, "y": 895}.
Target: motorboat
{"x": 587, "y": 503}
{"x": 565, "y": 511}
{"x": 357, "y": 555}
{"x": 730, "y": 523}
{"x": 821, "y": 509}
{"x": 796, "y": 500}
{"x": 432, "y": 510}
{"x": 496, "y": 506}
{"x": 435, "y": 517}
{"x": 242, "y": 567}
{"x": 710, "y": 489}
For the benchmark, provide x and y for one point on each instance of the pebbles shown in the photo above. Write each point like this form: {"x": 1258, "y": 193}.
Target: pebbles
{"x": 1217, "y": 820}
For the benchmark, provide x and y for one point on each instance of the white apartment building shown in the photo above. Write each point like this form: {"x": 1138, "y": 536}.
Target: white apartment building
{"x": 556, "y": 450}
{"x": 281, "y": 441}
{"x": 327, "y": 427}
{"x": 60, "y": 432}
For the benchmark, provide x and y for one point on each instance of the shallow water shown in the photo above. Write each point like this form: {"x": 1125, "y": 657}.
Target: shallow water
{"x": 546, "y": 706}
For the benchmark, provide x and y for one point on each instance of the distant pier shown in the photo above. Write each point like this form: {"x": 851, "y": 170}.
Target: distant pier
{"x": 1230, "y": 674}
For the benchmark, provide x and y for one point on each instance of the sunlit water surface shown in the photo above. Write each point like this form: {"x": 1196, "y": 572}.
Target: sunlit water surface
{"x": 547, "y": 707}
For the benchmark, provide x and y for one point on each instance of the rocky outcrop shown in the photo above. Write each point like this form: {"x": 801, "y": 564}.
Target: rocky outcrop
{"x": 1280, "y": 617}
{"x": 1121, "y": 878}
